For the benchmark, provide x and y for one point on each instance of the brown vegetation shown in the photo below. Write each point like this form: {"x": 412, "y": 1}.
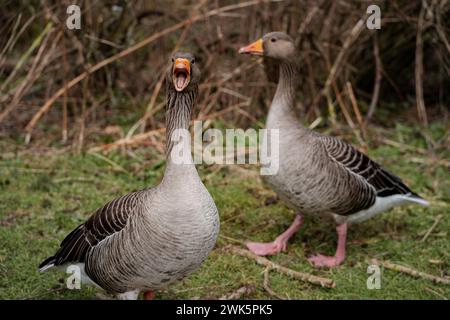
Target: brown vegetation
{"x": 104, "y": 83}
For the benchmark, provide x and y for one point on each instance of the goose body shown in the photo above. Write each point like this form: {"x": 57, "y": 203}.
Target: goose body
{"x": 323, "y": 175}
{"x": 318, "y": 174}
{"x": 147, "y": 239}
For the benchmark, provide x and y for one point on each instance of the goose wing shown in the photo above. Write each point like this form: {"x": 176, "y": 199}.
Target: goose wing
{"x": 385, "y": 183}
{"x": 105, "y": 222}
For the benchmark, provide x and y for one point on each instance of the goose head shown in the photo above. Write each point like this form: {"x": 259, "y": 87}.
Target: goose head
{"x": 276, "y": 45}
{"x": 182, "y": 74}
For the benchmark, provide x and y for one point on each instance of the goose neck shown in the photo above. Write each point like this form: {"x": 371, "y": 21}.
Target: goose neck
{"x": 178, "y": 143}
{"x": 281, "y": 113}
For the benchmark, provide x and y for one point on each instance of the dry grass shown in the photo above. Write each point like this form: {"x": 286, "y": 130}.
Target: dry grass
{"x": 71, "y": 88}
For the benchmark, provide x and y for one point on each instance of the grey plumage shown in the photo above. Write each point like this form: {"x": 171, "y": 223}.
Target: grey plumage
{"x": 148, "y": 239}
{"x": 322, "y": 174}
{"x": 318, "y": 174}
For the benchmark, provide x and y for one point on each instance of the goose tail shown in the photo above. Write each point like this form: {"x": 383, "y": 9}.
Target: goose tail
{"x": 47, "y": 264}
{"x": 413, "y": 197}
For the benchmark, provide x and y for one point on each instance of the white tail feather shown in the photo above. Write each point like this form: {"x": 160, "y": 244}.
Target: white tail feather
{"x": 48, "y": 266}
{"x": 417, "y": 200}
{"x": 385, "y": 203}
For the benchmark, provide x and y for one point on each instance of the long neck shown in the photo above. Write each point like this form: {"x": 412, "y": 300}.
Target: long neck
{"x": 179, "y": 107}
{"x": 281, "y": 113}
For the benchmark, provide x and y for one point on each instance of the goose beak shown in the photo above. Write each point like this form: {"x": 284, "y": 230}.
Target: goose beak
{"x": 256, "y": 48}
{"x": 181, "y": 73}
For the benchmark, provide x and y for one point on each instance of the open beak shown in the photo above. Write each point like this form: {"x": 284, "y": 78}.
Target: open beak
{"x": 256, "y": 48}
{"x": 181, "y": 73}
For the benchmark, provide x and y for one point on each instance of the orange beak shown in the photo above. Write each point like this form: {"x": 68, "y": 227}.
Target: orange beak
{"x": 181, "y": 63}
{"x": 181, "y": 72}
{"x": 256, "y": 48}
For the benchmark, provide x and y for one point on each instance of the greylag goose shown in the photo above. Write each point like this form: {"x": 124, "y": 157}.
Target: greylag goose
{"x": 147, "y": 239}
{"x": 319, "y": 174}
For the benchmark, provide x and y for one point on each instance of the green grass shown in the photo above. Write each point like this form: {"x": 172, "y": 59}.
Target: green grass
{"x": 43, "y": 197}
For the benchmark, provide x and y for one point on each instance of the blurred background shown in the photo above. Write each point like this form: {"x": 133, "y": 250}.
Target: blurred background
{"x": 88, "y": 87}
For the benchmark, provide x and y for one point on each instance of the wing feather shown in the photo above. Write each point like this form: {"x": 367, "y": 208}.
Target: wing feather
{"x": 105, "y": 222}
{"x": 356, "y": 162}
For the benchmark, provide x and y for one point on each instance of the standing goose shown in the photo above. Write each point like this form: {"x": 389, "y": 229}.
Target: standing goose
{"x": 319, "y": 174}
{"x": 147, "y": 239}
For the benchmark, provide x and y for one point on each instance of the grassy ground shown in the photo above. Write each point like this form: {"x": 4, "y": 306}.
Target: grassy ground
{"x": 43, "y": 197}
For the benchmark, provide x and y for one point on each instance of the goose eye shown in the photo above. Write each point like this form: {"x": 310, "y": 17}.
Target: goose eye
{"x": 273, "y": 40}
{"x": 192, "y": 61}
{"x": 173, "y": 60}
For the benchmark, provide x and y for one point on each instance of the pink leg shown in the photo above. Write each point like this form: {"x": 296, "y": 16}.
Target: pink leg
{"x": 280, "y": 243}
{"x": 339, "y": 257}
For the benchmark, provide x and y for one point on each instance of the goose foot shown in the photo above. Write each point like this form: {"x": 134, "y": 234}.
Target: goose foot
{"x": 325, "y": 261}
{"x": 149, "y": 295}
{"x": 267, "y": 249}
{"x": 280, "y": 243}
{"x": 333, "y": 261}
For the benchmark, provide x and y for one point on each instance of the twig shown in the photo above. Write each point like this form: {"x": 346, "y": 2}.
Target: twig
{"x": 64, "y": 104}
{"x": 436, "y": 221}
{"x": 109, "y": 161}
{"x": 239, "y": 293}
{"x": 324, "y": 282}
{"x": 403, "y": 146}
{"x": 267, "y": 287}
{"x": 82, "y": 118}
{"x": 39, "y": 63}
{"x": 354, "y": 33}
{"x": 377, "y": 84}
{"x": 346, "y": 114}
{"x": 442, "y": 35}
{"x": 430, "y": 161}
{"x": 36, "y": 43}
{"x": 410, "y": 271}
{"x": 315, "y": 123}
{"x": 103, "y": 41}
{"x": 421, "y": 110}
{"x": 128, "y": 142}
{"x": 230, "y": 238}
{"x": 10, "y": 41}
{"x": 436, "y": 293}
{"x": 47, "y": 105}
{"x": 305, "y": 24}
{"x": 356, "y": 111}
{"x": 139, "y": 138}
